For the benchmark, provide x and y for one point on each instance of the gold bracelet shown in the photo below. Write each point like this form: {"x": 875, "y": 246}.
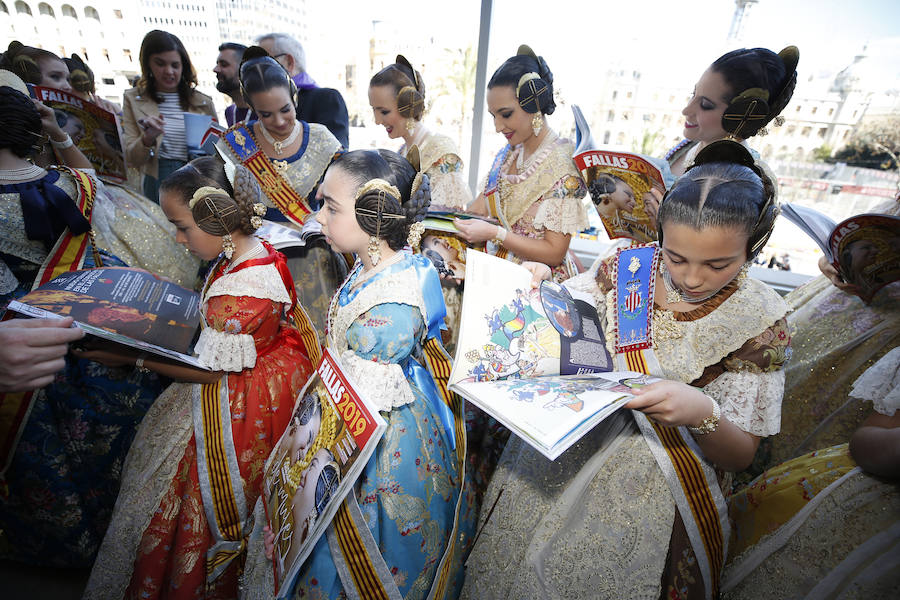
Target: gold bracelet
{"x": 139, "y": 365}
{"x": 500, "y": 236}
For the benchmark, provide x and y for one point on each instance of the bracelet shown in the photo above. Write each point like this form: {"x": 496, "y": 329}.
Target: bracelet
{"x": 66, "y": 143}
{"x": 500, "y": 236}
{"x": 139, "y": 365}
{"x": 710, "y": 423}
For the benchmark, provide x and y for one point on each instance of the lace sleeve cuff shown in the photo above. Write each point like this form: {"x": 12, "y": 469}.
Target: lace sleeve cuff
{"x": 752, "y": 401}
{"x": 385, "y": 384}
{"x": 880, "y": 384}
{"x": 449, "y": 189}
{"x": 566, "y": 215}
{"x": 222, "y": 351}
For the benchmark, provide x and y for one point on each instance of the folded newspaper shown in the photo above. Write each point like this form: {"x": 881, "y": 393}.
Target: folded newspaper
{"x": 331, "y": 436}
{"x": 865, "y": 249}
{"x": 534, "y": 359}
{"x": 619, "y": 184}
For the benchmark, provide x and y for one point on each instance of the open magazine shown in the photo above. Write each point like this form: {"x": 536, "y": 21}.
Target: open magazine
{"x": 331, "y": 436}
{"x": 515, "y": 342}
{"x": 91, "y": 128}
{"x": 865, "y": 249}
{"x": 442, "y": 245}
{"x": 619, "y": 184}
{"x": 128, "y": 306}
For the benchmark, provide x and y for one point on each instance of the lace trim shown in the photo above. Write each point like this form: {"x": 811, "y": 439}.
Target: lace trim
{"x": 401, "y": 287}
{"x": 566, "y": 215}
{"x": 880, "y": 384}
{"x": 752, "y": 401}
{"x": 386, "y": 384}
{"x": 261, "y": 281}
{"x": 8, "y": 281}
{"x": 448, "y": 189}
{"x": 222, "y": 351}
{"x": 686, "y": 348}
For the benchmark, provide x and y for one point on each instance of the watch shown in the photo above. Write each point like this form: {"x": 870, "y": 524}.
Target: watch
{"x": 710, "y": 423}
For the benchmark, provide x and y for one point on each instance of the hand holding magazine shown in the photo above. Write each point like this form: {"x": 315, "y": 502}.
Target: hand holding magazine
{"x": 534, "y": 359}
{"x": 127, "y": 306}
{"x": 865, "y": 249}
{"x": 620, "y": 185}
{"x": 331, "y": 436}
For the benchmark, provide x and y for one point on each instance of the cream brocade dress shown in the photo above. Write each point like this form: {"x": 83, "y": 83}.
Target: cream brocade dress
{"x": 596, "y": 523}
{"x": 836, "y": 338}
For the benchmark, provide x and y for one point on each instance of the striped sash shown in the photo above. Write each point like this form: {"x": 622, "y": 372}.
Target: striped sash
{"x": 273, "y": 184}
{"x": 221, "y": 485}
{"x": 67, "y": 255}
{"x": 691, "y": 480}
{"x": 357, "y": 558}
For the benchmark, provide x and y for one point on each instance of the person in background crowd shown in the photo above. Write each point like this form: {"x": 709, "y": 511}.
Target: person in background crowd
{"x": 154, "y": 110}
{"x": 228, "y": 82}
{"x": 314, "y": 104}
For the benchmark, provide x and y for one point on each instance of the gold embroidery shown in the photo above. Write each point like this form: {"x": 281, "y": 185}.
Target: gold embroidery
{"x": 240, "y": 139}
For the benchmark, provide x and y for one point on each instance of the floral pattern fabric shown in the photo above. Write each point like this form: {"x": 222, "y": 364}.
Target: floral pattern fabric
{"x": 168, "y": 553}
{"x": 408, "y": 490}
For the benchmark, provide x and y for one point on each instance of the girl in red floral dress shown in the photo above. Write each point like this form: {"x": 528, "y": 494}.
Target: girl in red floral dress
{"x": 195, "y": 468}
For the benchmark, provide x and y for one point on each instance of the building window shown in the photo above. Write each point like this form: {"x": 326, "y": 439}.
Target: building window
{"x": 614, "y": 96}
{"x": 117, "y": 13}
{"x": 814, "y": 109}
{"x": 128, "y": 55}
{"x": 830, "y": 111}
{"x": 797, "y": 109}
{"x": 68, "y": 11}
{"x": 610, "y": 116}
{"x": 606, "y": 135}
{"x": 807, "y": 131}
{"x": 46, "y": 9}
{"x": 822, "y": 132}
{"x": 620, "y": 139}
{"x": 91, "y": 13}
{"x": 22, "y": 8}
{"x": 628, "y": 95}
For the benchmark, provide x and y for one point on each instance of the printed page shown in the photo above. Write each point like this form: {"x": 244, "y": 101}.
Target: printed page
{"x": 332, "y": 434}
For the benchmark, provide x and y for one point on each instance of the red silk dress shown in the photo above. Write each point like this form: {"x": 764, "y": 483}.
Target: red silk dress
{"x": 171, "y": 560}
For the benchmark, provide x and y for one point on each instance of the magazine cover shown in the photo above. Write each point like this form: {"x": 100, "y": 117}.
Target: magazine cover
{"x": 331, "y": 436}
{"x": 552, "y": 413}
{"x": 443, "y": 247}
{"x": 508, "y": 329}
{"x": 619, "y": 184}
{"x": 123, "y": 305}
{"x": 92, "y": 128}
{"x": 865, "y": 249}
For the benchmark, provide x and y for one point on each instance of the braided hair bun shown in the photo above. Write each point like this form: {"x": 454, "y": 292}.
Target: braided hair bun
{"x": 20, "y": 122}
{"x": 218, "y": 213}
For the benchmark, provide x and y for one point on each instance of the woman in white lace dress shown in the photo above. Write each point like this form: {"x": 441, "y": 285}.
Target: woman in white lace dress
{"x": 635, "y": 508}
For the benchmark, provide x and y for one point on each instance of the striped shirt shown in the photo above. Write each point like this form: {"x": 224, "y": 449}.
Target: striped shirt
{"x": 174, "y": 143}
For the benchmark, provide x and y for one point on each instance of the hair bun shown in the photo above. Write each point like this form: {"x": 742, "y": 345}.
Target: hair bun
{"x": 254, "y": 52}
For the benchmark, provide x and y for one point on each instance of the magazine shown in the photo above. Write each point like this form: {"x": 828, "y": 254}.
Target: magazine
{"x": 127, "y": 306}
{"x": 865, "y": 249}
{"x": 509, "y": 329}
{"x": 619, "y": 184}
{"x": 443, "y": 247}
{"x": 92, "y": 129}
{"x": 331, "y": 436}
{"x": 552, "y": 413}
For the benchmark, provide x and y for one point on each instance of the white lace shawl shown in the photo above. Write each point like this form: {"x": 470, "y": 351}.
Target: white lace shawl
{"x": 880, "y": 384}
{"x": 385, "y": 383}
{"x": 752, "y": 401}
{"x": 232, "y": 350}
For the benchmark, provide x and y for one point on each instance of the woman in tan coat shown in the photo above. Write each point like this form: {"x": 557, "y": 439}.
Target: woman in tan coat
{"x": 153, "y": 111}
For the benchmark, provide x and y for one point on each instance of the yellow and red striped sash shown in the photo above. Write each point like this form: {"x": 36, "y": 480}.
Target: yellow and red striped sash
{"x": 351, "y": 541}
{"x": 67, "y": 255}
{"x": 307, "y": 334}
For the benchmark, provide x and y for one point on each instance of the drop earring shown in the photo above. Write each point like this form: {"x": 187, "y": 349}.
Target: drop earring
{"x": 537, "y": 123}
{"x": 374, "y": 250}
{"x": 411, "y": 125}
{"x": 228, "y": 246}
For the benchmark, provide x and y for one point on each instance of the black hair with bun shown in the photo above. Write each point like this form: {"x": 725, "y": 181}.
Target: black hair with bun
{"x": 216, "y": 213}
{"x": 260, "y": 72}
{"x": 366, "y": 165}
{"x": 537, "y": 95}
{"x": 21, "y": 122}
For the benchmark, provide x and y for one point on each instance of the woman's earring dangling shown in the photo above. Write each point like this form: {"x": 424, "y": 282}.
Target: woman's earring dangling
{"x": 537, "y": 123}
{"x": 411, "y": 125}
{"x": 228, "y": 246}
{"x": 742, "y": 274}
{"x": 374, "y": 250}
